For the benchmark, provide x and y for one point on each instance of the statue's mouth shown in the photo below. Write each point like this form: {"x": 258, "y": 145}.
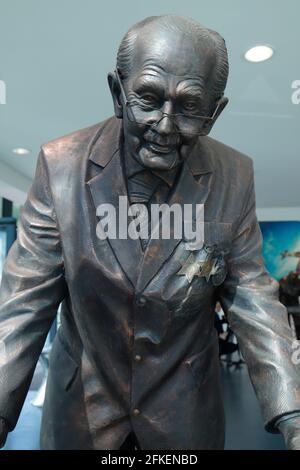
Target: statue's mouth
{"x": 158, "y": 148}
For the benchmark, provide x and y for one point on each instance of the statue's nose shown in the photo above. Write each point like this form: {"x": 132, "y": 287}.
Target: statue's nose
{"x": 166, "y": 123}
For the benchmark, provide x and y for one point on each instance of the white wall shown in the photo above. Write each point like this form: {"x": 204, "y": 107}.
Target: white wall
{"x": 278, "y": 213}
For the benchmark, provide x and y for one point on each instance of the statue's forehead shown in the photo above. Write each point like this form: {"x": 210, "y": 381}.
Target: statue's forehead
{"x": 150, "y": 72}
{"x": 168, "y": 53}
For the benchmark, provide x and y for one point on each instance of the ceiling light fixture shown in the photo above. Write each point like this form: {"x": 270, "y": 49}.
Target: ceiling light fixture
{"x": 259, "y": 53}
{"x": 21, "y": 151}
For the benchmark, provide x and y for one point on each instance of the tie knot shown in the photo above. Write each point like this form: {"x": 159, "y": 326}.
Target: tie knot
{"x": 142, "y": 186}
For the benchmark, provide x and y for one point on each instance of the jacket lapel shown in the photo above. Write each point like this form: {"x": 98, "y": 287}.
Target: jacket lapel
{"x": 106, "y": 187}
{"x": 193, "y": 188}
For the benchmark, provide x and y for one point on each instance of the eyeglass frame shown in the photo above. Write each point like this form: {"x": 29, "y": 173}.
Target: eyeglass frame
{"x": 127, "y": 103}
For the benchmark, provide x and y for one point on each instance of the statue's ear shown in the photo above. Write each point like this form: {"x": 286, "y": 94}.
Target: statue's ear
{"x": 116, "y": 94}
{"x": 220, "y": 105}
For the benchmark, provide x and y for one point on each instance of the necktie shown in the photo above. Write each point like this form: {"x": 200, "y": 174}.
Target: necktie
{"x": 141, "y": 186}
{"x": 144, "y": 187}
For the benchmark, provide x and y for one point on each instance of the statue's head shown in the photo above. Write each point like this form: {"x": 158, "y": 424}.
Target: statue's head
{"x": 168, "y": 87}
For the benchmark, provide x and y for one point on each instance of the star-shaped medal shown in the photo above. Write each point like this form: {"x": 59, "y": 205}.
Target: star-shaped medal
{"x": 190, "y": 268}
{"x": 208, "y": 266}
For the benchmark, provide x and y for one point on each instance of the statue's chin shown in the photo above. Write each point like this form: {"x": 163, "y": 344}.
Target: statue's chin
{"x": 158, "y": 161}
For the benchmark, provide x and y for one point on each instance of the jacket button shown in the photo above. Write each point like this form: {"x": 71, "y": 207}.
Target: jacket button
{"x": 137, "y": 358}
{"x": 136, "y": 412}
{"x": 141, "y": 301}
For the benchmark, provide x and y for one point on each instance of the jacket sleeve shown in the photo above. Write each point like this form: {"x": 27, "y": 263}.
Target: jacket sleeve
{"x": 32, "y": 288}
{"x": 249, "y": 297}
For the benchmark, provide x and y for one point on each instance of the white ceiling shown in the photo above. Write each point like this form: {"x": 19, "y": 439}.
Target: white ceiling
{"x": 54, "y": 57}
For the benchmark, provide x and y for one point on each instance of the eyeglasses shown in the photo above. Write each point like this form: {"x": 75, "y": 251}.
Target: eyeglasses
{"x": 141, "y": 113}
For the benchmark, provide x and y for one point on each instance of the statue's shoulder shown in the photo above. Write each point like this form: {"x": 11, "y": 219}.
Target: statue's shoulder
{"x": 227, "y": 159}
{"x": 74, "y": 144}
{"x": 221, "y": 151}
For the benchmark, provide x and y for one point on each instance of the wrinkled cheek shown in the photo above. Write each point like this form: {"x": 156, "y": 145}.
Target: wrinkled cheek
{"x": 134, "y": 136}
{"x": 138, "y": 142}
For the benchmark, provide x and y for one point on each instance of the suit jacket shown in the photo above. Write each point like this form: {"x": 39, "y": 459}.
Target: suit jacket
{"x": 137, "y": 348}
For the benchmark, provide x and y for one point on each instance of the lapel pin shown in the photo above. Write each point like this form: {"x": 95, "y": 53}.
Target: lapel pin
{"x": 210, "y": 265}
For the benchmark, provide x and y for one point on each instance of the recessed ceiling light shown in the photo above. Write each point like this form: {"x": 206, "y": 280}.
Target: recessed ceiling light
{"x": 259, "y": 53}
{"x": 21, "y": 151}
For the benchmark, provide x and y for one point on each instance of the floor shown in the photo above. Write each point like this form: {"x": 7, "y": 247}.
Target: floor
{"x": 244, "y": 427}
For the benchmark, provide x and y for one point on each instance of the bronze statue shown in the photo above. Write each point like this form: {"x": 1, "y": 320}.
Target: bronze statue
{"x": 137, "y": 353}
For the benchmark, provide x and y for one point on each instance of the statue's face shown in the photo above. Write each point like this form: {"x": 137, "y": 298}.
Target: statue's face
{"x": 172, "y": 74}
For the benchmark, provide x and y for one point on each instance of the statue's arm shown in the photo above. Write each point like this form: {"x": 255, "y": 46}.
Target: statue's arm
{"x": 32, "y": 288}
{"x": 289, "y": 426}
{"x": 3, "y": 432}
{"x": 249, "y": 296}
